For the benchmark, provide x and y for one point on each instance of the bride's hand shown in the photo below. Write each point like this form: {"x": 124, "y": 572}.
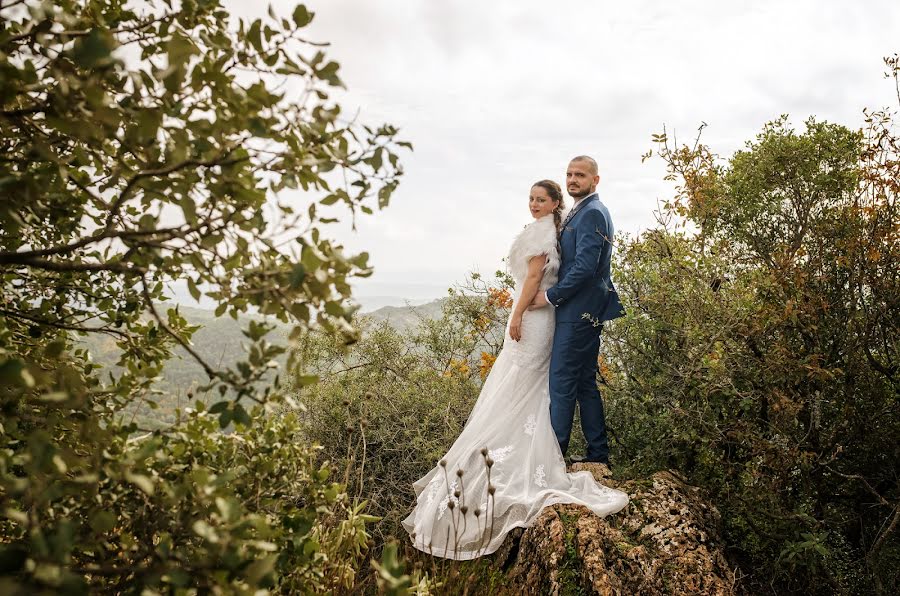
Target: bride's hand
{"x": 515, "y": 327}
{"x": 540, "y": 301}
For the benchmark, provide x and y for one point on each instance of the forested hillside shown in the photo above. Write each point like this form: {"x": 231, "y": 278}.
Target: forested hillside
{"x": 219, "y": 340}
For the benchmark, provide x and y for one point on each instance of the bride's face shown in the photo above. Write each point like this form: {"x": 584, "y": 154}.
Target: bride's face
{"x": 540, "y": 202}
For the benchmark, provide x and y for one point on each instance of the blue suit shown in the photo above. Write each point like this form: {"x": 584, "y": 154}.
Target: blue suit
{"x": 584, "y": 298}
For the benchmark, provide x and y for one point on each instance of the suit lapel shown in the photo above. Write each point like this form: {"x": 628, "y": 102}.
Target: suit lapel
{"x": 576, "y": 210}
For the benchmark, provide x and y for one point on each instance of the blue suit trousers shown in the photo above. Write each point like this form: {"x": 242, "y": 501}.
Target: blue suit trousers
{"x": 573, "y": 379}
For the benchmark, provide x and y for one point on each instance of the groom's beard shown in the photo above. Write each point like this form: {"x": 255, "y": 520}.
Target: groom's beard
{"x": 578, "y": 194}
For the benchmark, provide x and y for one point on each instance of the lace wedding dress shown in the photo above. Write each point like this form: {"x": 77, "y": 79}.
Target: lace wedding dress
{"x": 506, "y": 464}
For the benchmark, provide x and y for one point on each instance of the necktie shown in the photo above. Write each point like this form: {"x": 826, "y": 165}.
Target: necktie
{"x": 571, "y": 215}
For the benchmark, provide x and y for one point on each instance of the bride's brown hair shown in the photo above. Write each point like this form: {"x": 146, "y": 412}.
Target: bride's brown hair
{"x": 553, "y": 189}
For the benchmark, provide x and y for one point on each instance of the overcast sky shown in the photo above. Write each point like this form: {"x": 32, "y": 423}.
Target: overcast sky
{"x": 497, "y": 94}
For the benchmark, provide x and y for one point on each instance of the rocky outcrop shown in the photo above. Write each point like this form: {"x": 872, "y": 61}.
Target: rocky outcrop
{"x": 667, "y": 541}
{"x": 543, "y": 542}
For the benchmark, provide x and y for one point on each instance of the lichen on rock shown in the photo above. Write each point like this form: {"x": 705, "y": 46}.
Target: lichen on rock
{"x": 667, "y": 541}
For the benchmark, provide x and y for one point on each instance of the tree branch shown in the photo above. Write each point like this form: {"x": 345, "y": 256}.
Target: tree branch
{"x": 884, "y": 534}
{"x": 165, "y": 171}
{"x": 167, "y": 233}
{"x": 38, "y": 263}
{"x": 211, "y": 373}
{"x": 23, "y": 111}
{"x": 57, "y": 325}
{"x": 865, "y": 482}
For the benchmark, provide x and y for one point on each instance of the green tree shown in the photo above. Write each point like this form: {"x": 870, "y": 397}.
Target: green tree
{"x": 143, "y": 147}
{"x": 760, "y": 355}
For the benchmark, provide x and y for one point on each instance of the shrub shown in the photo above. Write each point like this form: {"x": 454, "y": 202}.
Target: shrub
{"x": 759, "y": 356}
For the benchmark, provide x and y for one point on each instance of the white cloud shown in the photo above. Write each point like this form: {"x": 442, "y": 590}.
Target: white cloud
{"x": 496, "y": 95}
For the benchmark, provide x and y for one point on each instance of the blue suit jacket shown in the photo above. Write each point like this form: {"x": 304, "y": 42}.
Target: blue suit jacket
{"x": 585, "y": 285}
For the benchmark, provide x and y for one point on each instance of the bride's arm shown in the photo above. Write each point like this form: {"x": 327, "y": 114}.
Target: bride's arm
{"x": 529, "y": 290}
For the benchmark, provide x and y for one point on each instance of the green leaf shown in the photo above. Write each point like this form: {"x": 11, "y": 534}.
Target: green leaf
{"x": 302, "y": 16}
{"x": 189, "y": 208}
{"x": 254, "y": 35}
{"x": 229, "y": 508}
{"x": 376, "y": 160}
{"x": 94, "y": 49}
{"x": 177, "y": 577}
{"x": 205, "y": 531}
{"x": 329, "y": 74}
{"x": 334, "y": 309}
{"x": 298, "y": 274}
{"x": 261, "y": 568}
{"x": 304, "y": 380}
{"x": 13, "y": 372}
{"x": 240, "y": 415}
{"x": 219, "y": 406}
{"x": 103, "y": 521}
{"x": 193, "y": 289}
{"x": 180, "y": 49}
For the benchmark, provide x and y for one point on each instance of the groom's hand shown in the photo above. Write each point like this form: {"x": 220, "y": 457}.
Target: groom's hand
{"x": 540, "y": 301}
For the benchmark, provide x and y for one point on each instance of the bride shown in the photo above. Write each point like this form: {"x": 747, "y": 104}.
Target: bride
{"x": 506, "y": 464}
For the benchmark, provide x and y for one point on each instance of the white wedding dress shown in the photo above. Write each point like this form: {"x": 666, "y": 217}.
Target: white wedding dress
{"x": 455, "y": 515}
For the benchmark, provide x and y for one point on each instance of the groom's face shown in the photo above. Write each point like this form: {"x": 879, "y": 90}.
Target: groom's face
{"x": 581, "y": 179}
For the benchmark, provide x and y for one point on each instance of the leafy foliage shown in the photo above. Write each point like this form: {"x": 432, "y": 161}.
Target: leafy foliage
{"x": 217, "y": 339}
{"x": 388, "y": 409}
{"x": 760, "y": 354}
{"x": 194, "y": 508}
{"x": 141, "y": 147}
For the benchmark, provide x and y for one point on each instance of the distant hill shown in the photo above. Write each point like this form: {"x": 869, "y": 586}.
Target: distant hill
{"x": 220, "y": 342}
{"x": 404, "y": 318}
{"x": 370, "y": 304}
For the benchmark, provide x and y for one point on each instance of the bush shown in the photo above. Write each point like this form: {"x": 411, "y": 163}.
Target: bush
{"x": 759, "y": 356}
{"x": 388, "y": 409}
{"x": 192, "y": 507}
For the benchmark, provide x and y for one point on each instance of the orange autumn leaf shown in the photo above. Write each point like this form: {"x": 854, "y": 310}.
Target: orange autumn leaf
{"x": 499, "y": 297}
{"x": 487, "y": 362}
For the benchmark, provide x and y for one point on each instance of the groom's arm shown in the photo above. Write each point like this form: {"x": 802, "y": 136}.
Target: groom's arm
{"x": 588, "y": 247}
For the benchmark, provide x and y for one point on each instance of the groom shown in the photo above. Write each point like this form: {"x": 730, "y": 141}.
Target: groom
{"x": 584, "y": 297}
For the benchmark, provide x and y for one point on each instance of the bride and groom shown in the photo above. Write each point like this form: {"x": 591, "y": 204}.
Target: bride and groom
{"x": 508, "y": 462}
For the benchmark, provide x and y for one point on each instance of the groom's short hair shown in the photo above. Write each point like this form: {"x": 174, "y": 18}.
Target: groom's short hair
{"x": 595, "y": 169}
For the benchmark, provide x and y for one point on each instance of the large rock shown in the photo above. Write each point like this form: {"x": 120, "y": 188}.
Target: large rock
{"x": 667, "y": 541}
{"x": 541, "y": 553}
